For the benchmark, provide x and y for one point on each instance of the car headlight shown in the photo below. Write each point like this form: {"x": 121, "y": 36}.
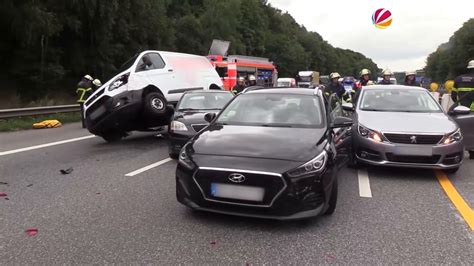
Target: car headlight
{"x": 316, "y": 165}
{"x": 453, "y": 137}
{"x": 184, "y": 158}
{"x": 119, "y": 82}
{"x": 178, "y": 126}
{"x": 369, "y": 134}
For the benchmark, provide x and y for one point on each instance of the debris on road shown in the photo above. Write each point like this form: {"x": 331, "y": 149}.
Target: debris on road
{"x": 66, "y": 171}
{"x": 29, "y": 185}
{"x": 213, "y": 242}
{"x": 47, "y": 124}
{"x": 31, "y": 231}
{"x": 3, "y": 194}
{"x": 4, "y": 183}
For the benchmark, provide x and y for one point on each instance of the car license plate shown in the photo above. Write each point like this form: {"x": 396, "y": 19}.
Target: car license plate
{"x": 414, "y": 150}
{"x": 237, "y": 192}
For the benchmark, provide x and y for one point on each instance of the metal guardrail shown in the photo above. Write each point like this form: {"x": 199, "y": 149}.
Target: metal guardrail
{"x": 45, "y": 110}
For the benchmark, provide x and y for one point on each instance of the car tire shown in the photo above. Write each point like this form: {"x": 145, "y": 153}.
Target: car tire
{"x": 113, "y": 136}
{"x": 452, "y": 170}
{"x": 154, "y": 104}
{"x": 174, "y": 156}
{"x": 471, "y": 155}
{"x": 332, "y": 200}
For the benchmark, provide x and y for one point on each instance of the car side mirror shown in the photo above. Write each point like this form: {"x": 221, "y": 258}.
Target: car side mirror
{"x": 348, "y": 107}
{"x": 209, "y": 117}
{"x": 342, "y": 121}
{"x": 461, "y": 110}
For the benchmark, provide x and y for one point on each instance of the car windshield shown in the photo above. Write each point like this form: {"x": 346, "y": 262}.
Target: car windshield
{"x": 204, "y": 101}
{"x": 273, "y": 110}
{"x": 284, "y": 84}
{"x": 398, "y": 100}
{"x": 305, "y": 78}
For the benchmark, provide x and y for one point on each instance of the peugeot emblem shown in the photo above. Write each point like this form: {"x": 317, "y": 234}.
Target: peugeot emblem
{"x": 237, "y": 178}
{"x": 413, "y": 139}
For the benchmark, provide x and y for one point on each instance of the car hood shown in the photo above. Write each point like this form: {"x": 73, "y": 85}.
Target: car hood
{"x": 407, "y": 122}
{"x": 291, "y": 144}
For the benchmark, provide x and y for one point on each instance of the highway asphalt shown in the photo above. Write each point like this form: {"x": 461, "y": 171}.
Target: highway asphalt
{"x": 97, "y": 214}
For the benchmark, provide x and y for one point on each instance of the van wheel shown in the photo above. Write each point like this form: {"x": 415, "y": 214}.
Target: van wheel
{"x": 155, "y": 104}
{"x": 112, "y": 136}
{"x": 333, "y": 199}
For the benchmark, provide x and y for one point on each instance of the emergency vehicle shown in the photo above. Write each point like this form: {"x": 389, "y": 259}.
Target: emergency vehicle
{"x": 231, "y": 67}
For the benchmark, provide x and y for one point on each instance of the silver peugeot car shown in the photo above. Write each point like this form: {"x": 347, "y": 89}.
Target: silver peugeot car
{"x": 405, "y": 127}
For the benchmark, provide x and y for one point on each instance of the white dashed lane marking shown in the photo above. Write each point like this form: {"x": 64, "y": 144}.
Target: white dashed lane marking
{"x": 364, "y": 183}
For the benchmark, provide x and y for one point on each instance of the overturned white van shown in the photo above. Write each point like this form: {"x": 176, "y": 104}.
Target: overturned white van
{"x": 139, "y": 97}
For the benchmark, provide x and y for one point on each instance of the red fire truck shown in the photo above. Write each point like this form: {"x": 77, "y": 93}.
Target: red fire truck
{"x": 231, "y": 67}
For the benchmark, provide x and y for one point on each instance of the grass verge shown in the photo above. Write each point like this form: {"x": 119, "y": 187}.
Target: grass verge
{"x": 21, "y": 123}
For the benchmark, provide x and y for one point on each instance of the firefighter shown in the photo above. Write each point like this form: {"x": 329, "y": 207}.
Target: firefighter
{"x": 252, "y": 81}
{"x": 334, "y": 86}
{"x": 386, "y": 75}
{"x": 239, "y": 87}
{"x": 463, "y": 89}
{"x": 410, "y": 79}
{"x": 365, "y": 77}
{"x": 84, "y": 90}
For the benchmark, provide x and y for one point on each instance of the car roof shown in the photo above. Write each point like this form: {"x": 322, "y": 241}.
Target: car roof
{"x": 283, "y": 91}
{"x": 206, "y": 91}
{"x": 393, "y": 87}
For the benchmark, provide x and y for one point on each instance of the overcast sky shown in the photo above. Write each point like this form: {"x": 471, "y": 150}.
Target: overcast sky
{"x": 418, "y": 26}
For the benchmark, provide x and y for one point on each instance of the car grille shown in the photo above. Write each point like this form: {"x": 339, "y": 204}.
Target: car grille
{"x": 413, "y": 159}
{"x": 95, "y": 96}
{"x": 198, "y": 127}
{"x": 409, "y": 138}
{"x": 272, "y": 184}
{"x": 99, "y": 109}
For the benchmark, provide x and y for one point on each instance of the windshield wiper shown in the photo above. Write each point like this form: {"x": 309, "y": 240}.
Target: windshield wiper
{"x": 276, "y": 125}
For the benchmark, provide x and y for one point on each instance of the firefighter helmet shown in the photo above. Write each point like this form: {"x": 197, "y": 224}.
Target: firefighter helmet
{"x": 387, "y": 72}
{"x": 88, "y": 77}
{"x": 241, "y": 79}
{"x": 364, "y": 71}
{"x": 334, "y": 75}
{"x": 252, "y": 78}
{"x": 97, "y": 82}
{"x": 410, "y": 73}
{"x": 449, "y": 84}
{"x": 470, "y": 64}
{"x": 434, "y": 86}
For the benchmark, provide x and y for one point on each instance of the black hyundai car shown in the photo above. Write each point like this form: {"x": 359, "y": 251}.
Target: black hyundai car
{"x": 188, "y": 118}
{"x": 271, "y": 153}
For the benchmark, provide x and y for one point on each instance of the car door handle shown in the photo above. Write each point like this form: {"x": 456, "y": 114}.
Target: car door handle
{"x": 170, "y": 70}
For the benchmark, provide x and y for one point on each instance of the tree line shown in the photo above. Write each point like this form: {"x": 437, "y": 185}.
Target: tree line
{"x": 451, "y": 58}
{"x": 47, "y": 45}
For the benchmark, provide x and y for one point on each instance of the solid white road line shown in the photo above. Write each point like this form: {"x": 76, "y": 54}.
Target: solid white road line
{"x": 45, "y": 145}
{"x": 148, "y": 167}
{"x": 364, "y": 184}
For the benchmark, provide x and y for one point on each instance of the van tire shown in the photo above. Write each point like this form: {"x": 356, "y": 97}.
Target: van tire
{"x": 112, "y": 136}
{"x": 155, "y": 104}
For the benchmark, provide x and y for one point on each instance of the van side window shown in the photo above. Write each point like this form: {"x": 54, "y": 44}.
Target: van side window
{"x": 150, "y": 61}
